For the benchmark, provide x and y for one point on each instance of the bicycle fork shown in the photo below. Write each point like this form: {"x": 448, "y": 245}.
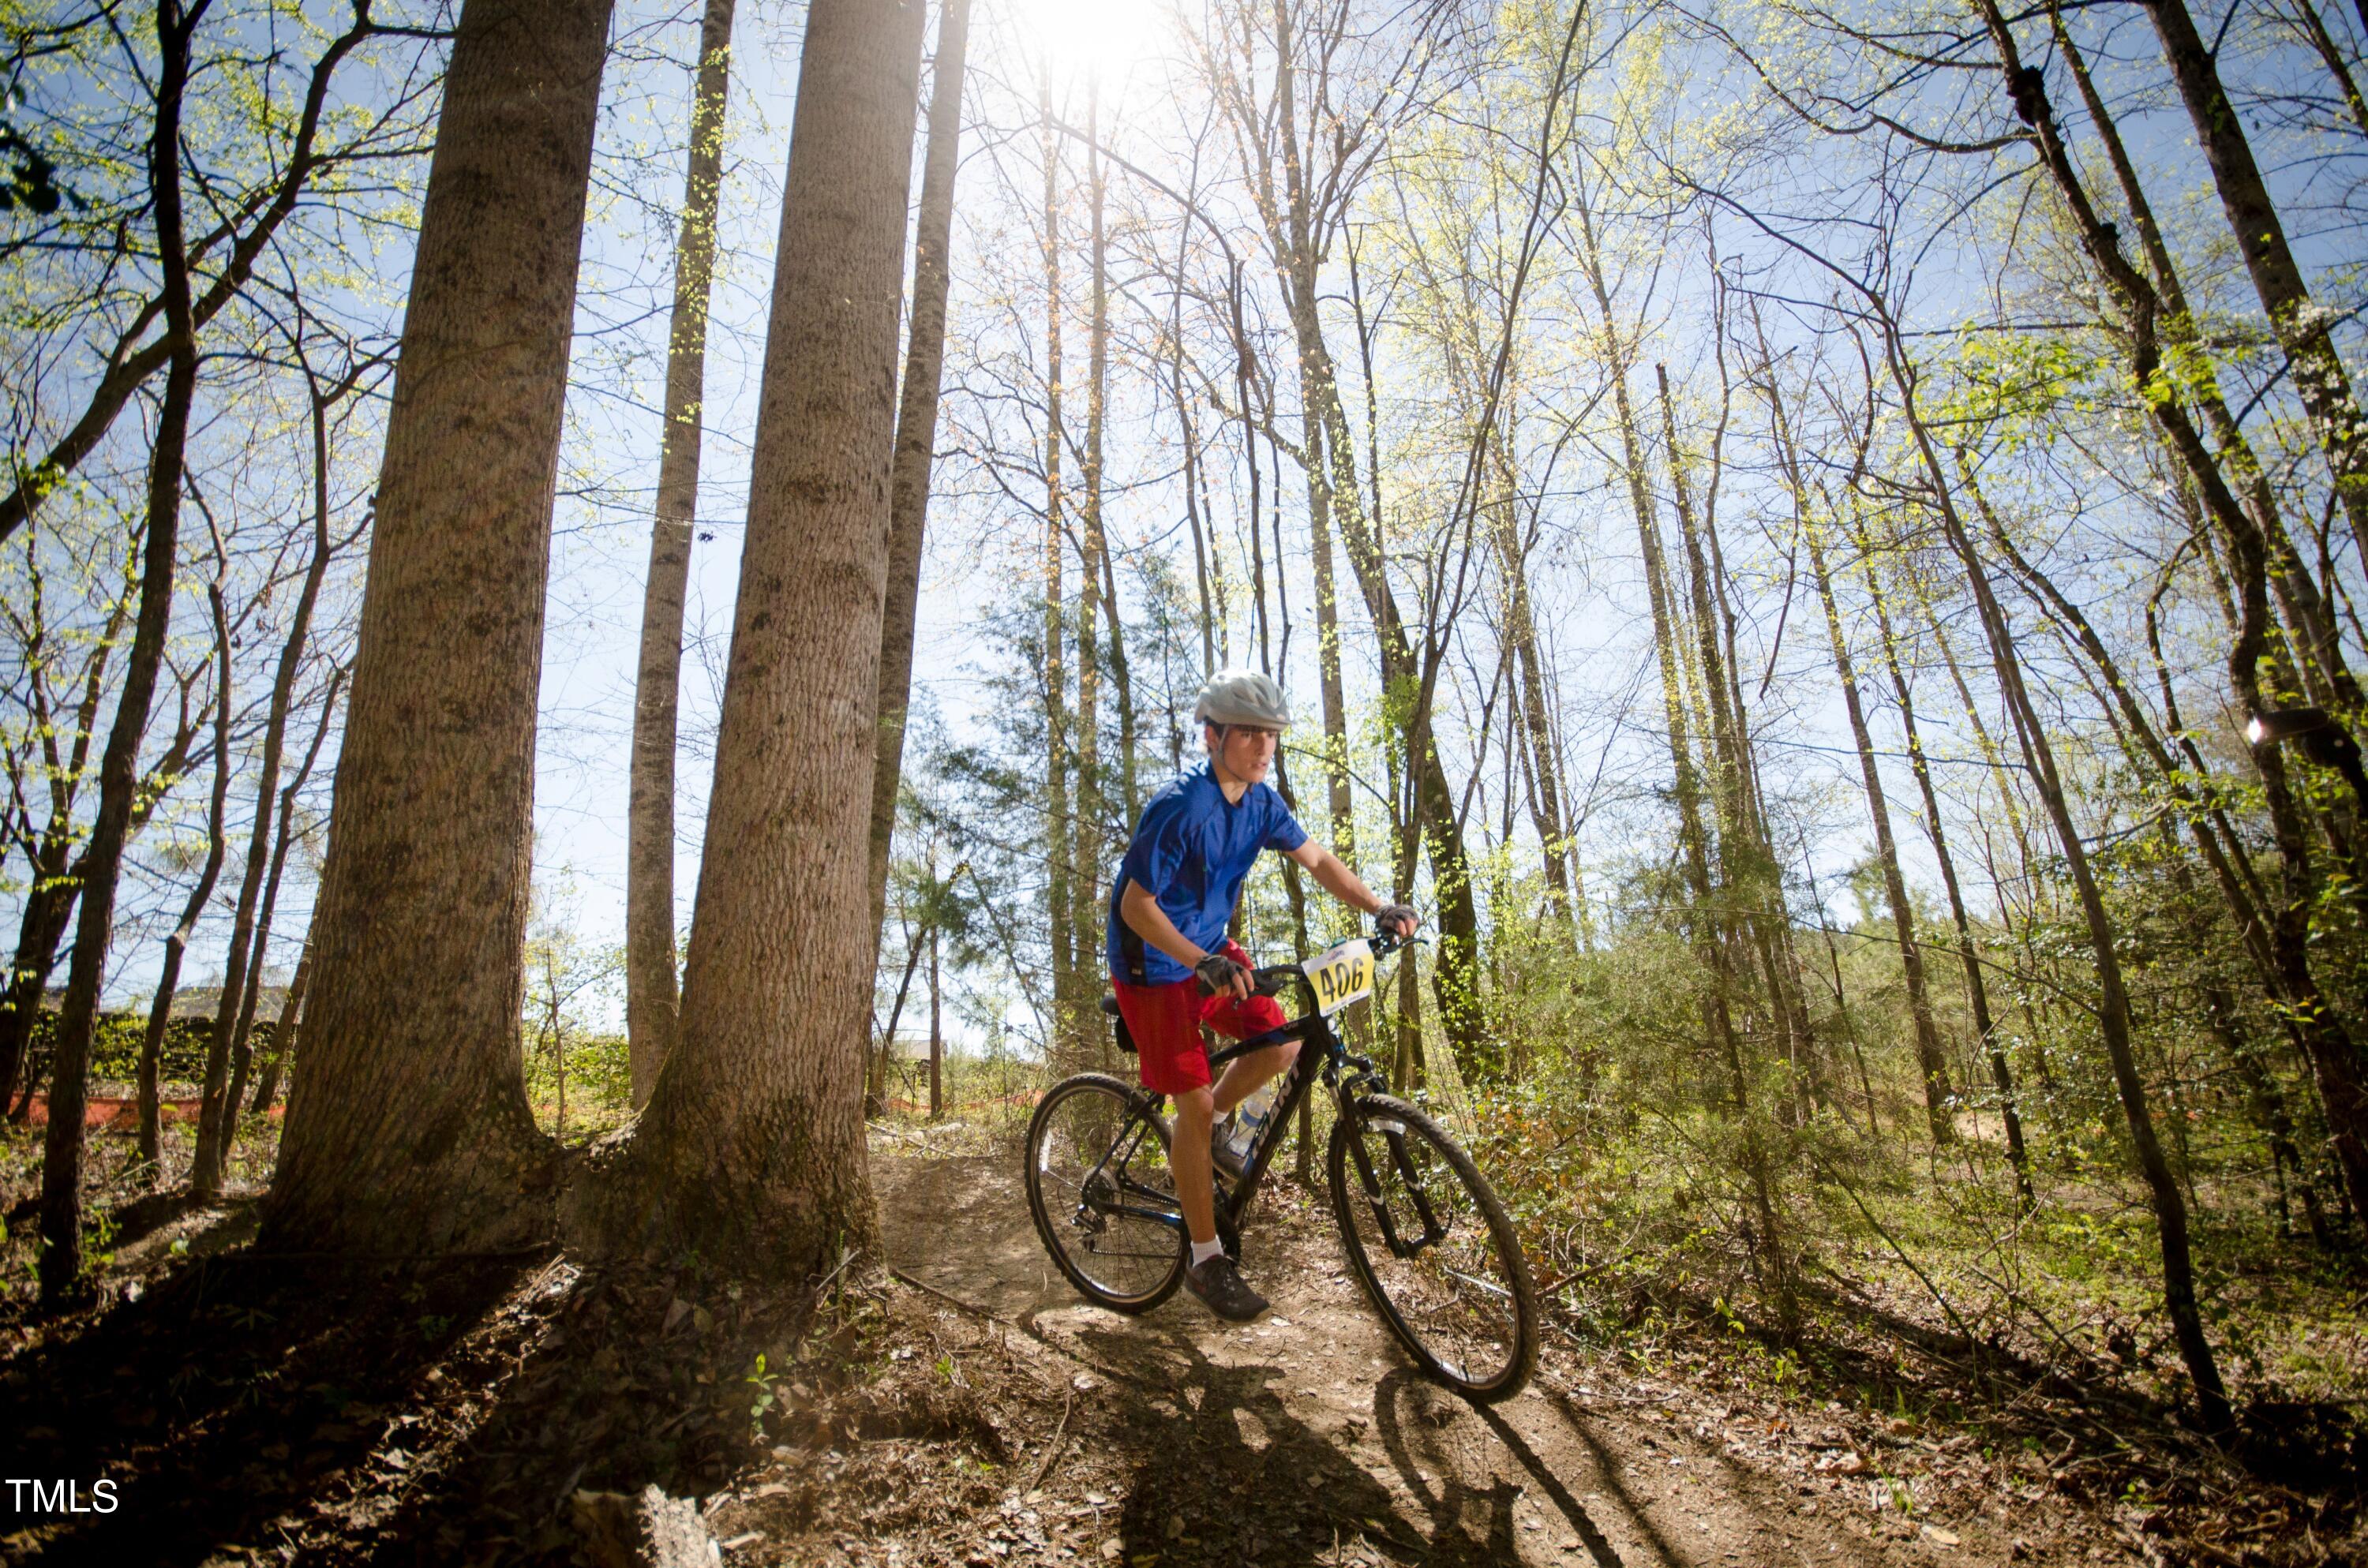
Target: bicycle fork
{"x": 1393, "y": 1134}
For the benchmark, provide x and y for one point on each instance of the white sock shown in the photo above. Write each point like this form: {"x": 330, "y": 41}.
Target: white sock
{"x": 1203, "y": 1251}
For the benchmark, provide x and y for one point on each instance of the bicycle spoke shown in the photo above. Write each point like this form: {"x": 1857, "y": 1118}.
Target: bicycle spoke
{"x": 1101, "y": 1174}
{"x": 1439, "y": 1271}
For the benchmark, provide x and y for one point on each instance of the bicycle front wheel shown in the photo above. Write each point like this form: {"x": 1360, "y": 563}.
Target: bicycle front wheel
{"x": 1103, "y": 1195}
{"x": 1434, "y": 1248}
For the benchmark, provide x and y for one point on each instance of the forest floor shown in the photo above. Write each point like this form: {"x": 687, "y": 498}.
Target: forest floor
{"x": 968, "y": 1409}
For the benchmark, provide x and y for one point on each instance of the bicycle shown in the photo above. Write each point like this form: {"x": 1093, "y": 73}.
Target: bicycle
{"x": 1424, "y": 1232}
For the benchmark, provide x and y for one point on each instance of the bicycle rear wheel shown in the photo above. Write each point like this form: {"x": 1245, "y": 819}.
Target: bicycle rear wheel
{"x": 1098, "y": 1185}
{"x": 1434, "y": 1248}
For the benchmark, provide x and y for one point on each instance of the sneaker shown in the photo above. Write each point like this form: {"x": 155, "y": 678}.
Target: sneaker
{"x": 1219, "y": 1286}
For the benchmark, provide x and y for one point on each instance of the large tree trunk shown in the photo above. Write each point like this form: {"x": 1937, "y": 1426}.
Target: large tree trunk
{"x": 119, "y": 770}
{"x": 408, "y": 1130}
{"x": 2304, "y": 330}
{"x": 916, "y": 436}
{"x": 650, "y": 997}
{"x": 750, "y": 1152}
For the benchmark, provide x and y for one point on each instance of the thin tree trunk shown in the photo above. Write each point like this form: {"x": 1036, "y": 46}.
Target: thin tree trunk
{"x": 218, "y": 1111}
{"x": 652, "y": 1002}
{"x": 241, "y": 1054}
{"x": 2028, "y": 91}
{"x": 176, "y": 942}
{"x": 54, "y": 880}
{"x": 1088, "y": 911}
{"x": 409, "y": 1129}
{"x": 1457, "y": 974}
{"x": 2298, "y": 589}
{"x": 917, "y": 438}
{"x": 283, "y": 1033}
{"x": 1977, "y": 996}
{"x": 61, "y": 1259}
{"x": 2342, "y": 1083}
{"x": 1751, "y": 882}
{"x": 2304, "y": 329}
{"x": 751, "y": 1150}
{"x": 1932, "y": 1064}
{"x": 1062, "y": 1029}
{"x": 936, "y": 1029}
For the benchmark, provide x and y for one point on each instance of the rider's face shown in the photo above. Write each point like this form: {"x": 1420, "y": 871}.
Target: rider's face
{"x": 1245, "y": 751}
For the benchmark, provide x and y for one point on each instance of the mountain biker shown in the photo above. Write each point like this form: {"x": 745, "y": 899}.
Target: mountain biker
{"x": 1172, "y": 966}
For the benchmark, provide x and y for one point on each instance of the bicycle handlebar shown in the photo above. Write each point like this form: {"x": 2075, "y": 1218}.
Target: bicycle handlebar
{"x": 1266, "y": 981}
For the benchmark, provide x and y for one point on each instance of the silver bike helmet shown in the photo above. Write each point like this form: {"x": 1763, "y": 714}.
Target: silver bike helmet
{"x": 1243, "y": 697}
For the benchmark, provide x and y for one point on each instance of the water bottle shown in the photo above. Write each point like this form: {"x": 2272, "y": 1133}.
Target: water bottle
{"x": 1249, "y": 1121}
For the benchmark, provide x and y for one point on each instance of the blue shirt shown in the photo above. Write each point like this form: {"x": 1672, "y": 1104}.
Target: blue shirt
{"x": 1191, "y": 851}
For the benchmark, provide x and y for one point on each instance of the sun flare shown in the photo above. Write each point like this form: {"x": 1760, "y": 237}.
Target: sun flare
{"x": 1102, "y": 39}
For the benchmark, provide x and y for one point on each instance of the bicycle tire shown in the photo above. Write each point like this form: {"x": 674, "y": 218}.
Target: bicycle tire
{"x": 1422, "y": 1302}
{"x": 1069, "y": 1223}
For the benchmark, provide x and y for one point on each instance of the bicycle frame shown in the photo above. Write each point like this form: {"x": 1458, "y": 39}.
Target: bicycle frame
{"x": 1346, "y": 1074}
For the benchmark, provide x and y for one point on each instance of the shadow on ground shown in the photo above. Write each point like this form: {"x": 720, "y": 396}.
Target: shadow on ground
{"x": 229, "y": 1395}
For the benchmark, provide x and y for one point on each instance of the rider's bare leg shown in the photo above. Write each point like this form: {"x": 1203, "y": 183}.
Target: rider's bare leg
{"x": 1243, "y": 1074}
{"x": 1195, "y": 1189}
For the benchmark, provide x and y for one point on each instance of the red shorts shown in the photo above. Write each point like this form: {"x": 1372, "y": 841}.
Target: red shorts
{"x": 1165, "y": 1021}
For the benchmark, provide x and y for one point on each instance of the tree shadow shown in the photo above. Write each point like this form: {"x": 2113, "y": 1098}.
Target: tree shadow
{"x": 1405, "y": 1407}
{"x": 229, "y": 1395}
{"x": 1235, "y": 1477}
{"x": 638, "y": 1380}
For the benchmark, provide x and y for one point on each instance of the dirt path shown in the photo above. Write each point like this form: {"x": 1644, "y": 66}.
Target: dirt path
{"x": 1306, "y": 1438}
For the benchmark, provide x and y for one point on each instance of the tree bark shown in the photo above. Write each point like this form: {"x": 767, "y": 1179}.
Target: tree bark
{"x": 408, "y": 1130}
{"x": 750, "y": 1153}
{"x": 651, "y": 998}
{"x": 61, "y": 1260}
{"x": 916, "y": 434}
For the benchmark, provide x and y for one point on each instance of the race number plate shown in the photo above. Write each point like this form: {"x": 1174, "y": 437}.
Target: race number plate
{"x": 1341, "y": 976}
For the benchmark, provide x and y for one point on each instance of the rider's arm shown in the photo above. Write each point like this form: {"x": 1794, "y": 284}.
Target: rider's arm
{"x": 1333, "y": 873}
{"x": 1142, "y": 914}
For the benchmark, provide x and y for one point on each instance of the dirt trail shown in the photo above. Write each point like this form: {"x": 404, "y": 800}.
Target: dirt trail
{"x": 1307, "y": 1437}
